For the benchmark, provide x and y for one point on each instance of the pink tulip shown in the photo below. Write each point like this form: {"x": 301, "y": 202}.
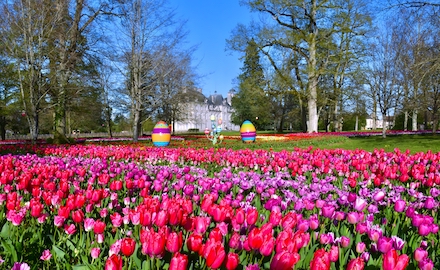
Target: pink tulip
{"x": 94, "y": 252}
{"x": 360, "y": 247}
{"x": 420, "y": 254}
{"x": 46, "y": 255}
{"x": 356, "y": 264}
{"x": 360, "y": 204}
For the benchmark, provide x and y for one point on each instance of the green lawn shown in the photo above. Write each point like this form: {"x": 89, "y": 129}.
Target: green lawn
{"x": 415, "y": 143}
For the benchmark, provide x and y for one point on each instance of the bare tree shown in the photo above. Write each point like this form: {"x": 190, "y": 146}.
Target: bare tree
{"x": 26, "y": 28}
{"x": 150, "y": 32}
{"x": 384, "y": 76}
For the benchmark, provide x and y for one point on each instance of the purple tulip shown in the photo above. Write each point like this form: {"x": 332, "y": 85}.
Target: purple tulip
{"x": 424, "y": 229}
{"x": 426, "y": 264}
{"x": 399, "y": 206}
{"x": 434, "y": 228}
{"x": 429, "y": 203}
{"x": 398, "y": 242}
{"x": 352, "y": 197}
{"x": 328, "y": 211}
{"x": 384, "y": 244}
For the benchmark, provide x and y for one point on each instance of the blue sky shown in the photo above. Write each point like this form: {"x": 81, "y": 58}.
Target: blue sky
{"x": 210, "y": 23}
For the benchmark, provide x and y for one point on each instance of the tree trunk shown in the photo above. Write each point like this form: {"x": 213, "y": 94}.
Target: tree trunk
{"x": 33, "y": 121}
{"x": 414, "y": 121}
{"x": 336, "y": 116}
{"x": 405, "y": 121}
{"x": 60, "y": 117}
{"x": 384, "y": 126}
{"x": 3, "y": 127}
{"x": 356, "y": 127}
{"x": 312, "y": 125}
{"x": 136, "y": 125}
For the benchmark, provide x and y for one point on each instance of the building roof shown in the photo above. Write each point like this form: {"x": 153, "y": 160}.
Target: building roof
{"x": 215, "y": 99}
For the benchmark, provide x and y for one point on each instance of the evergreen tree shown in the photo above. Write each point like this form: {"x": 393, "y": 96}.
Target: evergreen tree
{"x": 251, "y": 102}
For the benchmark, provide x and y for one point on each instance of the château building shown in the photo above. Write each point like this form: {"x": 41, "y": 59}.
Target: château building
{"x": 196, "y": 110}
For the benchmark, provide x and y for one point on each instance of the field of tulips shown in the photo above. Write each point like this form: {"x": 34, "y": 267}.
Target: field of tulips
{"x": 123, "y": 206}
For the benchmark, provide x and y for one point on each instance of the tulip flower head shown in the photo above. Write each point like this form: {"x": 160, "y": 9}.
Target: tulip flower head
{"x": 392, "y": 261}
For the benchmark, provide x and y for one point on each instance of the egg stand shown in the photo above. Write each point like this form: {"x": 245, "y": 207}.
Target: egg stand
{"x": 214, "y": 134}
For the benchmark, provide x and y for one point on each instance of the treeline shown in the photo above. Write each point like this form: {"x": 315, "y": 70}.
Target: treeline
{"x": 307, "y": 65}
{"x": 67, "y": 65}
{"x": 328, "y": 65}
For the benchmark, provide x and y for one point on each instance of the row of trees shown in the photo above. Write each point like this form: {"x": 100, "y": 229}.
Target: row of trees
{"x": 313, "y": 63}
{"x": 69, "y": 64}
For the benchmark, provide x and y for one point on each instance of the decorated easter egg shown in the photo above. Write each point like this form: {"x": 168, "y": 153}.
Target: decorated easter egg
{"x": 248, "y": 132}
{"x": 161, "y": 135}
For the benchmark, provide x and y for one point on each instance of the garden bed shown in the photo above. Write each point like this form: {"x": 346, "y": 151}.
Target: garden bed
{"x": 102, "y": 206}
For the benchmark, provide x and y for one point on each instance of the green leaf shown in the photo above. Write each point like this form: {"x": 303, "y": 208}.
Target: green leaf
{"x": 136, "y": 259}
{"x": 9, "y": 247}
{"x": 5, "y": 232}
{"x": 70, "y": 245}
{"x": 58, "y": 251}
{"x": 80, "y": 267}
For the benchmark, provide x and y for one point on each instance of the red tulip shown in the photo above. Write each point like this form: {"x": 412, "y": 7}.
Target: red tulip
{"x": 275, "y": 217}
{"x": 194, "y": 242}
{"x": 239, "y": 216}
{"x": 218, "y": 212}
{"x": 36, "y": 208}
{"x": 216, "y": 234}
{"x": 321, "y": 260}
{"x": 128, "y": 246}
{"x": 78, "y": 216}
{"x": 156, "y": 244}
{"x": 178, "y": 262}
{"x": 356, "y": 264}
{"x": 201, "y": 224}
{"x": 392, "y": 261}
{"x": 289, "y": 220}
{"x": 114, "y": 262}
{"x": 64, "y": 211}
{"x": 255, "y": 238}
{"x": 214, "y": 253}
{"x": 174, "y": 242}
{"x": 251, "y": 216}
{"x": 176, "y": 218}
{"x": 161, "y": 218}
{"x": 268, "y": 245}
{"x": 232, "y": 261}
{"x": 99, "y": 227}
{"x": 284, "y": 260}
